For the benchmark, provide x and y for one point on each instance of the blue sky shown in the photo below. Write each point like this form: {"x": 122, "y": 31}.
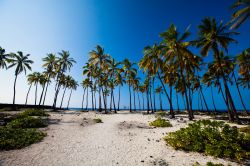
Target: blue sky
{"x": 122, "y": 27}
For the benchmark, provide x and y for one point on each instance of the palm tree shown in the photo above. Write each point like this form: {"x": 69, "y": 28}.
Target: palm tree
{"x": 86, "y": 84}
{"x": 119, "y": 80}
{"x": 176, "y": 52}
{"x": 241, "y": 14}
{"x": 43, "y": 80}
{"x": 159, "y": 91}
{"x": 4, "y": 58}
{"x": 214, "y": 36}
{"x": 64, "y": 63}
{"x": 66, "y": 84}
{"x": 49, "y": 65}
{"x": 98, "y": 59}
{"x": 243, "y": 60}
{"x": 129, "y": 72}
{"x": 30, "y": 79}
{"x": 73, "y": 86}
{"x": 22, "y": 63}
{"x": 36, "y": 79}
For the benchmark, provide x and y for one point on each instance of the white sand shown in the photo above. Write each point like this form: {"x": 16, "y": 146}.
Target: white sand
{"x": 109, "y": 143}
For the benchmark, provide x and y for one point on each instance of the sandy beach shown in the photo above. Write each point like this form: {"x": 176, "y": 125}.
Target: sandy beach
{"x": 122, "y": 139}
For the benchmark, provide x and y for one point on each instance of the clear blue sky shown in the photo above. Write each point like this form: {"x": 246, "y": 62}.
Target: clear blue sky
{"x": 122, "y": 27}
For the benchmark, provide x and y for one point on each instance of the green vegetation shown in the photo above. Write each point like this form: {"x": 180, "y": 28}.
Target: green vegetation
{"x": 211, "y": 137}
{"x": 35, "y": 112}
{"x": 17, "y": 138}
{"x": 97, "y": 120}
{"x": 245, "y": 129}
{"x": 208, "y": 164}
{"x": 27, "y": 122}
{"x": 159, "y": 122}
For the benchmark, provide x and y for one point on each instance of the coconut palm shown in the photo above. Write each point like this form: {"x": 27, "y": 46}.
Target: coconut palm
{"x": 177, "y": 53}
{"x": 243, "y": 60}
{"x": 4, "y": 58}
{"x": 129, "y": 73}
{"x": 241, "y": 14}
{"x": 49, "y": 65}
{"x": 30, "y": 80}
{"x": 214, "y": 36}
{"x": 99, "y": 59}
{"x": 86, "y": 84}
{"x": 21, "y": 63}
{"x": 42, "y": 81}
{"x": 64, "y": 63}
{"x": 119, "y": 81}
{"x": 66, "y": 84}
{"x": 73, "y": 86}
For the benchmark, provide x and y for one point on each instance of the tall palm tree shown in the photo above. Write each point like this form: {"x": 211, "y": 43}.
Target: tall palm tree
{"x": 98, "y": 58}
{"x": 30, "y": 80}
{"x": 243, "y": 60}
{"x": 241, "y": 14}
{"x": 37, "y": 78}
{"x": 43, "y": 80}
{"x": 21, "y": 63}
{"x": 214, "y": 36}
{"x": 177, "y": 53}
{"x": 4, "y": 58}
{"x": 73, "y": 86}
{"x": 119, "y": 81}
{"x": 86, "y": 84}
{"x": 129, "y": 72}
{"x": 66, "y": 84}
{"x": 49, "y": 65}
{"x": 64, "y": 63}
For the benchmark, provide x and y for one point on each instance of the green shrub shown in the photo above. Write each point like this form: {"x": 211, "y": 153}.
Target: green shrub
{"x": 161, "y": 114}
{"x": 17, "y": 138}
{"x": 35, "y": 112}
{"x": 212, "y": 164}
{"x": 160, "y": 123}
{"x": 97, "y": 120}
{"x": 212, "y": 137}
{"x": 27, "y": 122}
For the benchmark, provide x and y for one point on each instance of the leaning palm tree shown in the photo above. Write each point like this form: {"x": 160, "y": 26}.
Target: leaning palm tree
{"x": 4, "y": 58}
{"x": 49, "y": 65}
{"x": 119, "y": 81}
{"x": 212, "y": 37}
{"x": 73, "y": 86}
{"x": 21, "y": 63}
{"x": 66, "y": 84}
{"x": 241, "y": 14}
{"x": 30, "y": 80}
{"x": 64, "y": 63}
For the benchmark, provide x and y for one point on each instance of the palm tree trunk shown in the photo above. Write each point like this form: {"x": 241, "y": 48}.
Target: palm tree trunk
{"x": 151, "y": 102}
{"x": 143, "y": 101}
{"x": 171, "y": 110}
{"x": 130, "y": 109}
{"x": 27, "y": 95}
{"x": 95, "y": 99}
{"x": 177, "y": 99}
{"x": 63, "y": 97}
{"x": 14, "y": 97}
{"x": 204, "y": 100}
{"x": 114, "y": 103}
{"x": 160, "y": 101}
{"x": 164, "y": 88}
{"x": 230, "y": 116}
{"x": 201, "y": 102}
{"x": 69, "y": 99}
{"x": 238, "y": 89}
{"x": 41, "y": 95}
{"x": 139, "y": 100}
{"x": 147, "y": 101}
{"x": 111, "y": 99}
{"x": 213, "y": 99}
{"x": 36, "y": 93}
{"x": 87, "y": 99}
{"x": 134, "y": 99}
{"x": 83, "y": 97}
{"x": 46, "y": 90}
{"x": 119, "y": 98}
{"x": 153, "y": 92}
{"x": 100, "y": 100}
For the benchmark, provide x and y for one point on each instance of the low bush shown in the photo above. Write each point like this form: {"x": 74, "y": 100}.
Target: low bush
{"x": 35, "y": 112}
{"x": 27, "y": 122}
{"x": 17, "y": 138}
{"x": 208, "y": 164}
{"x": 159, "y": 122}
{"x": 245, "y": 129}
{"x": 97, "y": 120}
{"x": 211, "y": 137}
